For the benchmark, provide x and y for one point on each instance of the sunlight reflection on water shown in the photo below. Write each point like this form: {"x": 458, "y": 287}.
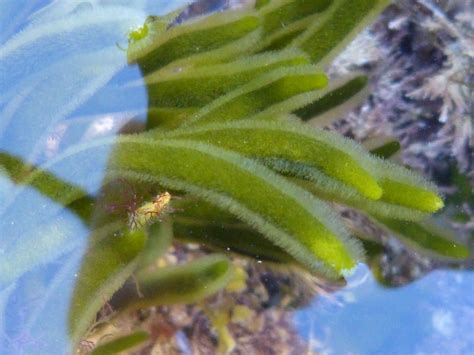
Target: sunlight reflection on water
{"x": 415, "y": 318}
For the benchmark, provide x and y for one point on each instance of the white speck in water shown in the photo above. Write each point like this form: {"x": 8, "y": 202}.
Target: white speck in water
{"x": 103, "y": 125}
{"x": 458, "y": 279}
{"x": 228, "y": 249}
{"x": 259, "y": 261}
{"x": 349, "y": 297}
{"x": 443, "y": 322}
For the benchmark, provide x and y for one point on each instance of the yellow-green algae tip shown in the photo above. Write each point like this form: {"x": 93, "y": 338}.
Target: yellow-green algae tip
{"x": 411, "y": 196}
{"x": 406, "y": 188}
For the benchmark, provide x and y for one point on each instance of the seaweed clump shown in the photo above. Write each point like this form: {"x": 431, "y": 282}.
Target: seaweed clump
{"x": 235, "y": 100}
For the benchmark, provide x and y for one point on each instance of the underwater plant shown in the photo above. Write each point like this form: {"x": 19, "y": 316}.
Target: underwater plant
{"x": 234, "y": 103}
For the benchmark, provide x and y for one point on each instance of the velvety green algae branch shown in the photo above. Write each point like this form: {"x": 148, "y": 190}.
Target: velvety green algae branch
{"x": 185, "y": 283}
{"x": 281, "y": 39}
{"x": 156, "y": 50}
{"x": 427, "y": 237}
{"x": 199, "y": 86}
{"x": 116, "y": 255}
{"x": 199, "y": 161}
{"x": 280, "y": 13}
{"x": 332, "y": 190}
{"x": 262, "y": 93}
{"x": 383, "y": 147}
{"x": 318, "y": 149}
{"x": 341, "y": 21}
{"x": 281, "y": 211}
{"x": 66, "y": 194}
{"x": 166, "y": 118}
{"x": 237, "y": 238}
{"x": 310, "y": 231}
{"x": 285, "y": 20}
{"x": 272, "y": 16}
{"x": 338, "y": 157}
{"x": 339, "y": 95}
{"x": 122, "y": 343}
{"x": 106, "y": 266}
{"x": 215, "y": 228}
{"x": 406, "y": 188}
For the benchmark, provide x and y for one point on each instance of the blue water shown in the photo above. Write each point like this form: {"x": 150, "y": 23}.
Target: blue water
{"x": 432, "y": 315}
{"x": 56, "y": 57}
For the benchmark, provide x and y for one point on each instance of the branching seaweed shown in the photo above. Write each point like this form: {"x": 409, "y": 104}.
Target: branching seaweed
{"x": 229, "y": 96}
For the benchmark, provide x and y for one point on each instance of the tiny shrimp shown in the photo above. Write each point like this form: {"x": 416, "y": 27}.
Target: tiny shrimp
{"x": 140, "y": 215}
{"x": 150, "y": 211}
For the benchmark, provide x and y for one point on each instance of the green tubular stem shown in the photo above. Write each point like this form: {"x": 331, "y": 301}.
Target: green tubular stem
{"x": 284, "y": 213}
{"x": 384, "y": 148}
{"x": 168, "y": 117}
{"x": 186, "y": 283}
{"x": 307, "y": 229}
{"x": 348, "y": 197}
{"x": 202, "y": 223}
{"x": 410, "y": 196}
{"x": 427, "y": 237}
{"x": 335, "y": 96}
{"x": 160, "y": 237}
{"x": 281, "y": 38}
{"x": 408, "y": 224}
{"x": 106, "y": 266}
{"x": 338, "y": 157}
{"x": 235, "y": 49}
{"x": 281, "y": 13}
{"x": 338, "y": 25}
{"x": 159, "y": 49}
{"x": 200, "y": 86}
{"x": 329, "y": 189}
{"x": 261, "y": 3}
{"x": 15, "y": 167}
{"x": 261, "y": 93}
{"x": 190, "y": 208}
{"x": 46, "y": 183}
{"x": 405, "y": 188}
{"x": 120, "y": 344}
{"x": 237, "y": 238}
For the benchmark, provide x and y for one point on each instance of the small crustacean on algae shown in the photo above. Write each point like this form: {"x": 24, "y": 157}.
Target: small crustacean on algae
{"x": 150, "y": 211}
{"x": 139, "y": 213}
